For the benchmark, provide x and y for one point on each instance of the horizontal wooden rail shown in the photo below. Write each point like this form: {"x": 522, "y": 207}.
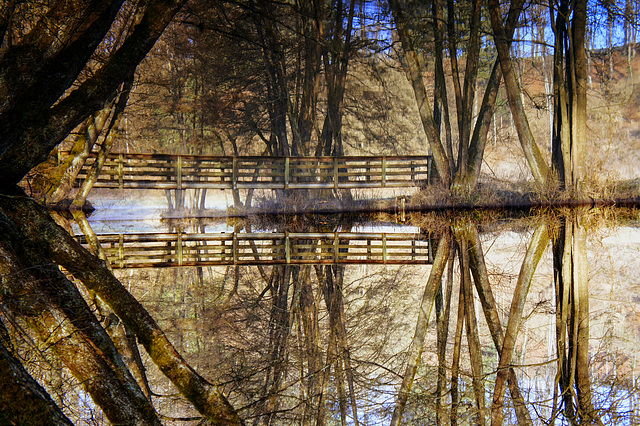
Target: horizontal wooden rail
{"x": 162, "y": 171}
{"x": 181, "y": 249}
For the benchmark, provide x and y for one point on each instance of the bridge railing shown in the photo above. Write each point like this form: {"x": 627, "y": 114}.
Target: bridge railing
{"x": 181, "y": 249}
{"x": 160, "y": 171}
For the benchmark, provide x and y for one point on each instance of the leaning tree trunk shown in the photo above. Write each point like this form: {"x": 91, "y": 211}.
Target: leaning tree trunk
{"x": 460, "y": 228}
{"x": 466, "y": 178}
{"x": 64, "y": 176}
{"x": 414, "y": 73}
{"x": 536, "y": 161}
{"x": 35, "y": 291}
{"x": 121, "y": 335}
{"x": 490, "y": 309}
{"x": 61, "y": 249}
{"x": 23, "y": 400}
{"x": 105, "y": 147}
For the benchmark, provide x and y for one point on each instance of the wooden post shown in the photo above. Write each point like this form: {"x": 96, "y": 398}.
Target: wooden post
{"x": 335, "y": 173}
{"x": 179, "y": 195}
{"x": 287, "y": 246}
{"x": 121, "y": 250}
{"x": 179, "y": 248}
{"x": 120, "y": 171}
{"x": 234, "y": 172}
{"x": 235, "y": 242}
{"x": 430, "y": 240}
{"x": 286, "y": 175}
{"x": 336, "y": 244}
{"x": 179, "y": 173}
{"x": 384, "y": 172}
{"x": 384, "y": 248}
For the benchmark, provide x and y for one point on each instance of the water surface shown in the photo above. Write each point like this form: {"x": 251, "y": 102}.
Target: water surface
{"x": 333, "y": 343}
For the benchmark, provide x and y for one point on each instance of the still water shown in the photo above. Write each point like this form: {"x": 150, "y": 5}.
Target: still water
{"x": 529, "y": 318}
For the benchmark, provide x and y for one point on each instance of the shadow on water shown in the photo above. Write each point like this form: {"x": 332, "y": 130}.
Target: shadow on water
{"x": 470, "y": 318}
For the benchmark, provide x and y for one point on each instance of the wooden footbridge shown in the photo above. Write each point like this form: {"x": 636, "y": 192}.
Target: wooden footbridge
{"x": 275, "y": 248}
{"x": 177, "y": 172}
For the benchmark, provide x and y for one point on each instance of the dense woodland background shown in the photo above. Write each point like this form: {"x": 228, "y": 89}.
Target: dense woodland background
{"x": 246, "y": 79}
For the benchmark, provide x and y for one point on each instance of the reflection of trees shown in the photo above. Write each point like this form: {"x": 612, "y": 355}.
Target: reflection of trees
{"x": 572, "y": 327}
{"x": 572, "y": 321}
{"x": 417, "y": 343}
{"x": 284, "y": 339}
{"x": 37, "y": 294}
{"x": 324, "y": 344}
{"x": 294, "y": 302}
{"x": 471, "y": 264}
{"x": 320, "y": 351}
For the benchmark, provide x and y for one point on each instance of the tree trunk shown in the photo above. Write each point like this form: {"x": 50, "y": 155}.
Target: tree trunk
{"x": 455, "y": 362}
{"x": 31, "y": 127}
{"x": 121, "y": 335}
{"x": 279, "y": 331}
{"x": 308, "y": 322}
{"x": 276, "y": 78}
{"x": 105, "y": 148}
{"x": 490, "y": 309}
{"x": 473, "y": 341}
{"x": 414, "y": 73}
{"x": 65, "y": 175}
{"x": 536, "y": 161}
{"x": 570, "y": 95}
{"x": 23, "y": 400}
{"x": 442, "y": 318}
{"x": 63, "y": 250}
{"x": 307, "y": 115}
{"x": 441, "y": 100}
{"x": 38, "y": 293}
{"x": 466, "y": 180}
{"x": 465, "y": 95}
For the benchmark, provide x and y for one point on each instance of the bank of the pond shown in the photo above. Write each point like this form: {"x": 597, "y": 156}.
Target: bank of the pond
{"x": 491, "y": 195}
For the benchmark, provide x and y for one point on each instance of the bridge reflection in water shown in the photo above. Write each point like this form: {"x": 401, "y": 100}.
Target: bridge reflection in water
{"x": 274, "y": 248}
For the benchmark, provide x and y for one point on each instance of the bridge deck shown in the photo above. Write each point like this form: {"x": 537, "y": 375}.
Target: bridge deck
{"x": 180, "y": 249}
{"x": 160, "y": 171}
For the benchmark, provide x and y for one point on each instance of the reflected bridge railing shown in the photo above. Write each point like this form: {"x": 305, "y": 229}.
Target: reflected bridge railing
{"x": 274, "y": 248}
